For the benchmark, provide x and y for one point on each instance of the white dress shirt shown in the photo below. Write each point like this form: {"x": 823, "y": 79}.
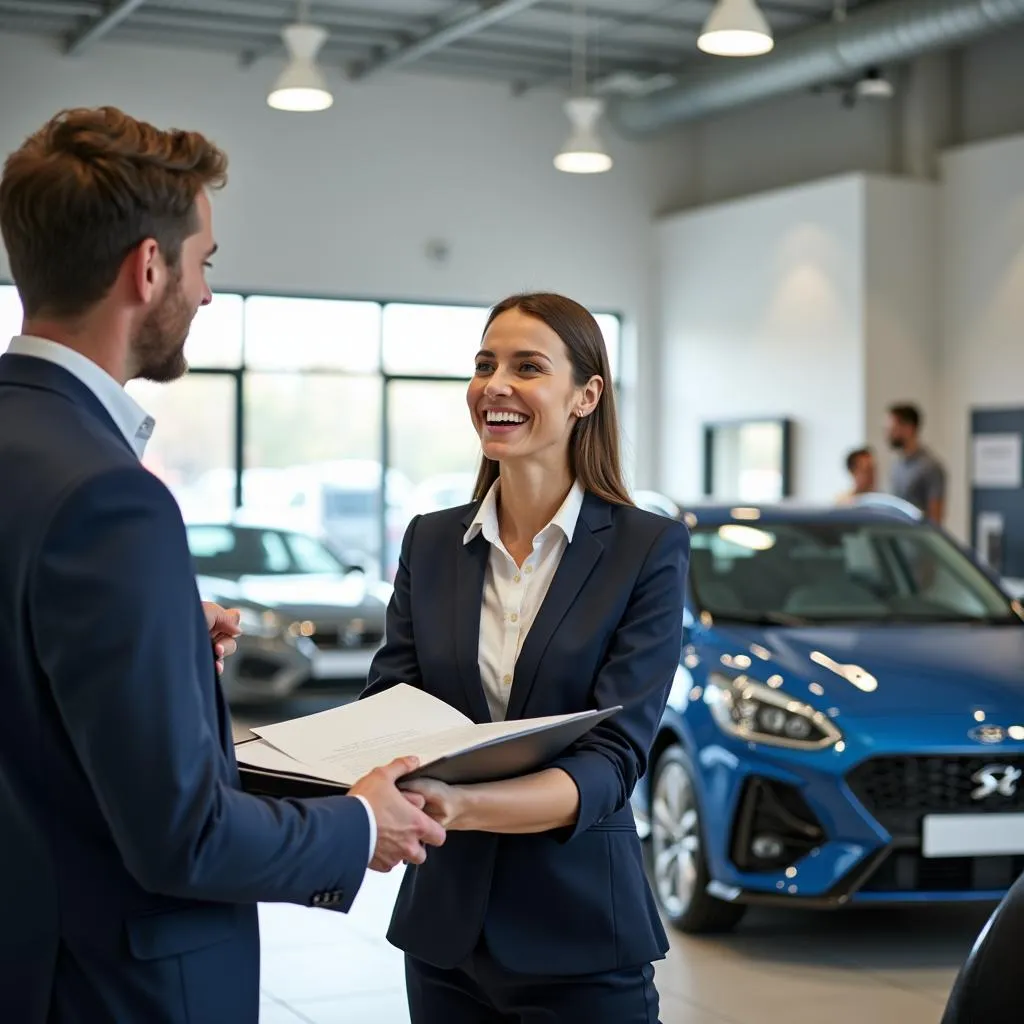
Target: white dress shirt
{"x": 132, "y": 420}
{"x": 513, "y": 595}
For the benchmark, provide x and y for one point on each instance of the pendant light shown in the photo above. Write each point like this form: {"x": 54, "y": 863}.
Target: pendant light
{"x": 583, "y": 152}
{"x": 736, "y": 28}
{"x": 301, "y": 86}
{"x": 875, "y": 86}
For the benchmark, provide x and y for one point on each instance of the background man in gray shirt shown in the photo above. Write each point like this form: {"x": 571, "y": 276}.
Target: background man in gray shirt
{"x": 916, "y": 476}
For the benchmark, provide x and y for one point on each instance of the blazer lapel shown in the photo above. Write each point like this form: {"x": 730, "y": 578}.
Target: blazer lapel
{"x": 30, "y": 372}
{"x": 578, "y": 562}
{"x": 469, "y": 597}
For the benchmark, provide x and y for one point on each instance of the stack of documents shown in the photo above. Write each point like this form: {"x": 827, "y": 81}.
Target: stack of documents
{"x": 330, "y": 751}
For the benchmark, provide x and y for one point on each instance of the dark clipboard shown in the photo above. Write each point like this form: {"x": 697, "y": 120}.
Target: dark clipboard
{"x": 506, "y": 757}
{"x": 259, "y": 782}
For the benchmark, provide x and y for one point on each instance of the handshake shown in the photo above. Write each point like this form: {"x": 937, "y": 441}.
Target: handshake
{"x": 405, "y": 827}
{"x": 407, "y": 821}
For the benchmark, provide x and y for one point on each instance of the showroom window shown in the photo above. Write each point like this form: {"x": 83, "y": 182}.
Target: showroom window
{"x": 293, "y": 405}
{"x": 10, "y": 312}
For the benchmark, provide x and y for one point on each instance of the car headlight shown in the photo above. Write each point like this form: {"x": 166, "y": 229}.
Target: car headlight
{"x": 758, "y": 713}
{"x": 261, "y": 624}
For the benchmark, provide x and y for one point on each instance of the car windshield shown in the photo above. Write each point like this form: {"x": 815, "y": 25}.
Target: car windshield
{"x": 795, "y": 573}
{"x": 231, "y": 552}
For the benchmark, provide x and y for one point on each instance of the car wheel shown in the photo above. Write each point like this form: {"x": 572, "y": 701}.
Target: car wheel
{"x": 679, "y": 864}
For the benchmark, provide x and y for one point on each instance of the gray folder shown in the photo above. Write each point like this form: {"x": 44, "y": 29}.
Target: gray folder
{"x": 504, "y": 758}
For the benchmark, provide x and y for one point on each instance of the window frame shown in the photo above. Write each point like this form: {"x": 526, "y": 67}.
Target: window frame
{"x": 240, "y": 372}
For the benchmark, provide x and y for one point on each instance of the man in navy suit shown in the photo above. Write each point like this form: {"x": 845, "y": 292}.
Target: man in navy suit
{"x": 131, "y": 862}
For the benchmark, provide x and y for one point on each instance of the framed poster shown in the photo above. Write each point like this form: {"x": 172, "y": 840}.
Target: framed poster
{"x": 748, "y": 460}
{"x": 996, "y": 446}
{"x": 996, "y": 460}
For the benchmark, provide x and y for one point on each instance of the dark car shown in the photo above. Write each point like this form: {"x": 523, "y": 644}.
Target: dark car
{"x": 310, "y": 620}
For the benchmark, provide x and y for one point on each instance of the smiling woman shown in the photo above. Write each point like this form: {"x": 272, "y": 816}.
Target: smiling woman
{"x": 561, "y": 596}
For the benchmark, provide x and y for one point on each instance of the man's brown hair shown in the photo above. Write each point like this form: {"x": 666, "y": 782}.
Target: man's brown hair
{"x": 85, "y": 190}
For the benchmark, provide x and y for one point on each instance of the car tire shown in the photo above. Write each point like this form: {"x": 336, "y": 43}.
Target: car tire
{"x": 679, "y": 867}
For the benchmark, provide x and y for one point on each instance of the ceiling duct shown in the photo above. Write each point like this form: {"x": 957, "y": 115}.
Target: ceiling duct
{"x": 883, "y": 34}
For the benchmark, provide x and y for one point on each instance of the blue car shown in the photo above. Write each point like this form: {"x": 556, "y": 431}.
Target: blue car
{"x": 846, "y": 724}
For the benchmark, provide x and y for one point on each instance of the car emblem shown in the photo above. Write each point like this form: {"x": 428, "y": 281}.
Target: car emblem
{"x": 996, "y": 778}
{"x": 988, "y": 734}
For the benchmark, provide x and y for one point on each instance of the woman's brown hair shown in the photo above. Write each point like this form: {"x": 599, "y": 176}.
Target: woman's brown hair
{"x": 594, "y": 457}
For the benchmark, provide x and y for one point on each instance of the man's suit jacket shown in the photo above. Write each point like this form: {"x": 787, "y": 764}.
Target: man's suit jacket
{"x": 130, "y": 862}
{"x": 609, "y": 632}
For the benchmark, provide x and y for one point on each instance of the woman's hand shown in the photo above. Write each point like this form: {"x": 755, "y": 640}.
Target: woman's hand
{"x": 540, "y": 802}
{"x": 445, "y": 804}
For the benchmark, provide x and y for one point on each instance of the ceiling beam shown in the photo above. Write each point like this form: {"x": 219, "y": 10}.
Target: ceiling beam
{"x": 56, "y": 8}
{"x": 656, "y": 19}
{"x": 598, "y": 17}
{"x": 158, "y": 20}
{"x": 548, "y": 43}
{"x": 278, "y": 13}
{"x": 103, "y": 25}
{"x": 484, "y": 50}
{"x": 454, "y": 27}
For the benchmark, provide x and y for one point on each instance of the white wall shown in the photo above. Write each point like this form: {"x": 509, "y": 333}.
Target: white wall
{"x": 343, "y": 203}
{"x": 982, "y": 296}
{"x": 763, "y": 316}
{"x": 901, "y": 304}
{"x": 943, "y": 264}
{"x": 830, "y": 301}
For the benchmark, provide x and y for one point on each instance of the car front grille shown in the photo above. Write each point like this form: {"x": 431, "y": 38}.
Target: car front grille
{"x": 335, "y": 638}
{"x": 906, "y": 871}
{"x": 253, "y": 668}
{"x": 900, "y": 791}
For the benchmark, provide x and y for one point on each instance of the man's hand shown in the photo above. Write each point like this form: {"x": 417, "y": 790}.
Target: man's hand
{"x": 403, "y": 830}
{"x": 223, "y": 626}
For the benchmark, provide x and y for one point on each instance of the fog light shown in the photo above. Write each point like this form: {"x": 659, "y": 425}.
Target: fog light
{"x": 773, "y": 720}
{"x": 767, "y": 847}
{"x": 798, "y": 728}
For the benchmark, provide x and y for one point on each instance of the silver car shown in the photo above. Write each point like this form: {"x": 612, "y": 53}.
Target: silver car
{"x": 310, "y": 621}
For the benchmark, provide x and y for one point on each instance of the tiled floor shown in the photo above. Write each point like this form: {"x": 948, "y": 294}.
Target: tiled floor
{"x": 855, "y": 967}
{"x": 328, "y": 968}
{"x": 860, "y": 967}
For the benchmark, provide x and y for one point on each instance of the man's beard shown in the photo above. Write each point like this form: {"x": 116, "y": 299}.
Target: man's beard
{"x": 159, "y": 348}
{"x": 896, "y": 443}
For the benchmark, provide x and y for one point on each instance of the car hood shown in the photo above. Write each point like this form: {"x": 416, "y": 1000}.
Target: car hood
{"x": 312, "y": 597}
{"x": 885, "y": 670}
